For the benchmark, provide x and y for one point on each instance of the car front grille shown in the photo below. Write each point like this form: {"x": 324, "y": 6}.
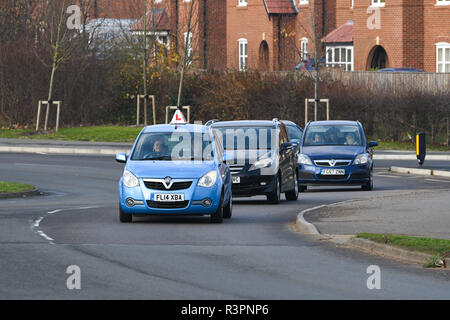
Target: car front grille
{"x": 156, "y": 185}
{"x": 235, "y": 169}
{"x": 330, "y": 177}
{"x": 328, "y": 163}
{"x": 168, "y": 205}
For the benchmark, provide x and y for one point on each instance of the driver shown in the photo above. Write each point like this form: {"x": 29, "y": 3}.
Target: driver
{"x": 159, "y": 146}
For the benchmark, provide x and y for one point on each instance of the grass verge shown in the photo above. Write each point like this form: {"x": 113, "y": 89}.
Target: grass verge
{"x": 93, "y": 134}
{"x": 12, "y": 187}
{"x": 438, "y": 248}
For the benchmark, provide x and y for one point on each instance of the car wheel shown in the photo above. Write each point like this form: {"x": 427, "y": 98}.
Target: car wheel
{"x": 275, "y": 196}
{"x": 369, "y": 185}
{"x": 228, "y": 209}
{"x": 217, "y": 217}
{"x": 125, "y": 217}
{"x": 293, "y": 194}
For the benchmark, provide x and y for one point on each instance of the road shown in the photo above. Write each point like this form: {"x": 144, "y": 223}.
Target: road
{"x": 255, "y": 255}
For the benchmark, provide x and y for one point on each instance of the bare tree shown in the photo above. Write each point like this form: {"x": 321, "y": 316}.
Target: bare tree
{"x": 56, "y": 41}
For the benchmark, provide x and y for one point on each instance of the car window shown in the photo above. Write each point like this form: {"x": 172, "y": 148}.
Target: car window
{"x": 320, "y": 135}
{"x": 294, "y": 132}
{"x": 245, "y": 138}
{"x": 180, "y": 145}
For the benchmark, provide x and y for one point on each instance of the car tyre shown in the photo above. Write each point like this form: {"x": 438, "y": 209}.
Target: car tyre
{"x": 217, "y": 217}
{"x": 228, "y": 209}
{"x": 125, "y": 217}
{"x": 293, "y": 194}
{"x": 275, "y": 196}
{"x": 369, "y": 185}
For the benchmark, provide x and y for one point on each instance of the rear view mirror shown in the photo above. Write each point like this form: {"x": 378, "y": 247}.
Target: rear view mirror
{"x": 372, "y": 144}
{"x": 121, "y": 157}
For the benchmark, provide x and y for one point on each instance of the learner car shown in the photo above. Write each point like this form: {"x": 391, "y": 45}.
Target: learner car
{"x": 175, "y": 170}
{"x": 335, "y": 153}
{"x": 261, "y": 158}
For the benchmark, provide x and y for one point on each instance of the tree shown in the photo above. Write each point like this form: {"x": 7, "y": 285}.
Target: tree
{"x": 56, "y": 41}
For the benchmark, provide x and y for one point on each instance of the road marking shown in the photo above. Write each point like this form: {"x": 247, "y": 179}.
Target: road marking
{"x": 36, "y": 222}
{"x": 386, "y": 176}
{"x": 436, "y": 180}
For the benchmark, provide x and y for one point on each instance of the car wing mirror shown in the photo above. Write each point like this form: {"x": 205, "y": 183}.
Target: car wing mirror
{"x": 121, "y": 157}
{"x": 372, "y": 144}
{"x": 286, "y": 146}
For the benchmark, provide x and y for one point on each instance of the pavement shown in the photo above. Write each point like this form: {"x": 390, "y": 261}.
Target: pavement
{"x": 417, "y": 212}
{"x": 254, "y": 255}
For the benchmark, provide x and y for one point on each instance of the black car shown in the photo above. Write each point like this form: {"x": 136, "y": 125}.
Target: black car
{"x": 261, "y": 158}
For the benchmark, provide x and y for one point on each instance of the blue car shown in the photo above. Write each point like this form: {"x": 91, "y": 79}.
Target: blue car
{"x": 335, "y": 153}
{"x": 175, "y": 170}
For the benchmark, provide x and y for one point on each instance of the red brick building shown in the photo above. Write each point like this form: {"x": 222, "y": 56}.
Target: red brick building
{"x": 278, "y": 34}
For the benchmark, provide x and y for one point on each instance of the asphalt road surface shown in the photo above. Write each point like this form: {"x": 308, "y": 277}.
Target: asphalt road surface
{"x": 255, "y": 255}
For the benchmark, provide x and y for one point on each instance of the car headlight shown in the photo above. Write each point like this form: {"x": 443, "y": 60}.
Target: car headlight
{"x": 130, "y": 179}
{"x": 263, "y": 163}
{"x": 208, "y": 180}
{"x": 361, "y": 159}
{"x": 304, "y": 159}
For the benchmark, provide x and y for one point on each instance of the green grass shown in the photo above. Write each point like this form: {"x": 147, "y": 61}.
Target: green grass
{"x": 11, "y": 187}
{"x": 439, "y": 248}
{"x": 129, "y": 134}
{"x": 391, "y": 145}
{"x": 94, "y": 134}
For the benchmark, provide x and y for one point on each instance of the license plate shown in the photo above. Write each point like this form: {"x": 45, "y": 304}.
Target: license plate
{"x": 333, "y": 172}
{"x": 167, "y": 197}
{"x": 236, "y": 179}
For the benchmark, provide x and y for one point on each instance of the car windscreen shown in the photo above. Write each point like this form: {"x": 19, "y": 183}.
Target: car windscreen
{"x": 177, "y": 145}
{"x": 294, "y": 132}
{"x": 320, "y": 135}
{"x": 245, "y": 138}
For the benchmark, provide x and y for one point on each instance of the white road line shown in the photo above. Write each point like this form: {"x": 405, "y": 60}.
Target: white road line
{"x": 35, "y": 223}
{"x": 386, "y": 176}
{"x": 436, "y": 180}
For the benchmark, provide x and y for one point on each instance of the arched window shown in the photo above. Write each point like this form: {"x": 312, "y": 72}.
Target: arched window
{"x": 304, "y": 48}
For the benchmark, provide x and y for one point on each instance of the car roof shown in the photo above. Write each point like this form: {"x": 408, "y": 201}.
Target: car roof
{"x": 334, "y": 122}
{"x": 240, "y": 123}
{"x": 171, "y": 127}
{"x": 289, "y": 123}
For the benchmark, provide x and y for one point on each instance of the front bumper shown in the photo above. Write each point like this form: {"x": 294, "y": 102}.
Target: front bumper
{"x": 192, "y": 204}
{"x": 253, "y": 184}
{"x": 354, "y": 175}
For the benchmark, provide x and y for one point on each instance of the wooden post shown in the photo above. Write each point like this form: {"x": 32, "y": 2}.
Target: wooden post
{"x": 138, "y": 109}
{"x": 38, "y": 115}
{"x": 306, "y": 111}
{"x": 58, "y": 106}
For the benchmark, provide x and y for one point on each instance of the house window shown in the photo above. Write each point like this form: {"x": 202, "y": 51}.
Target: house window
{"x": 442, "y": 2}
{"x": 242, "y": 3}
{"x": 378, "y": 3}
{"x": 158, "y": 1}
{"x": 243, "y": 54}
{"x": 304, "y": 48}
{"x": 352, "y": 4}
{"x": 340, "y": 57}
{"x": 303, "y": 2}
{"x": 443, "y": 57}
{"x": 188, "y": 46}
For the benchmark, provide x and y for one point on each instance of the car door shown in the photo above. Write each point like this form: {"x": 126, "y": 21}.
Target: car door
{"x": 285, "y": 161}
